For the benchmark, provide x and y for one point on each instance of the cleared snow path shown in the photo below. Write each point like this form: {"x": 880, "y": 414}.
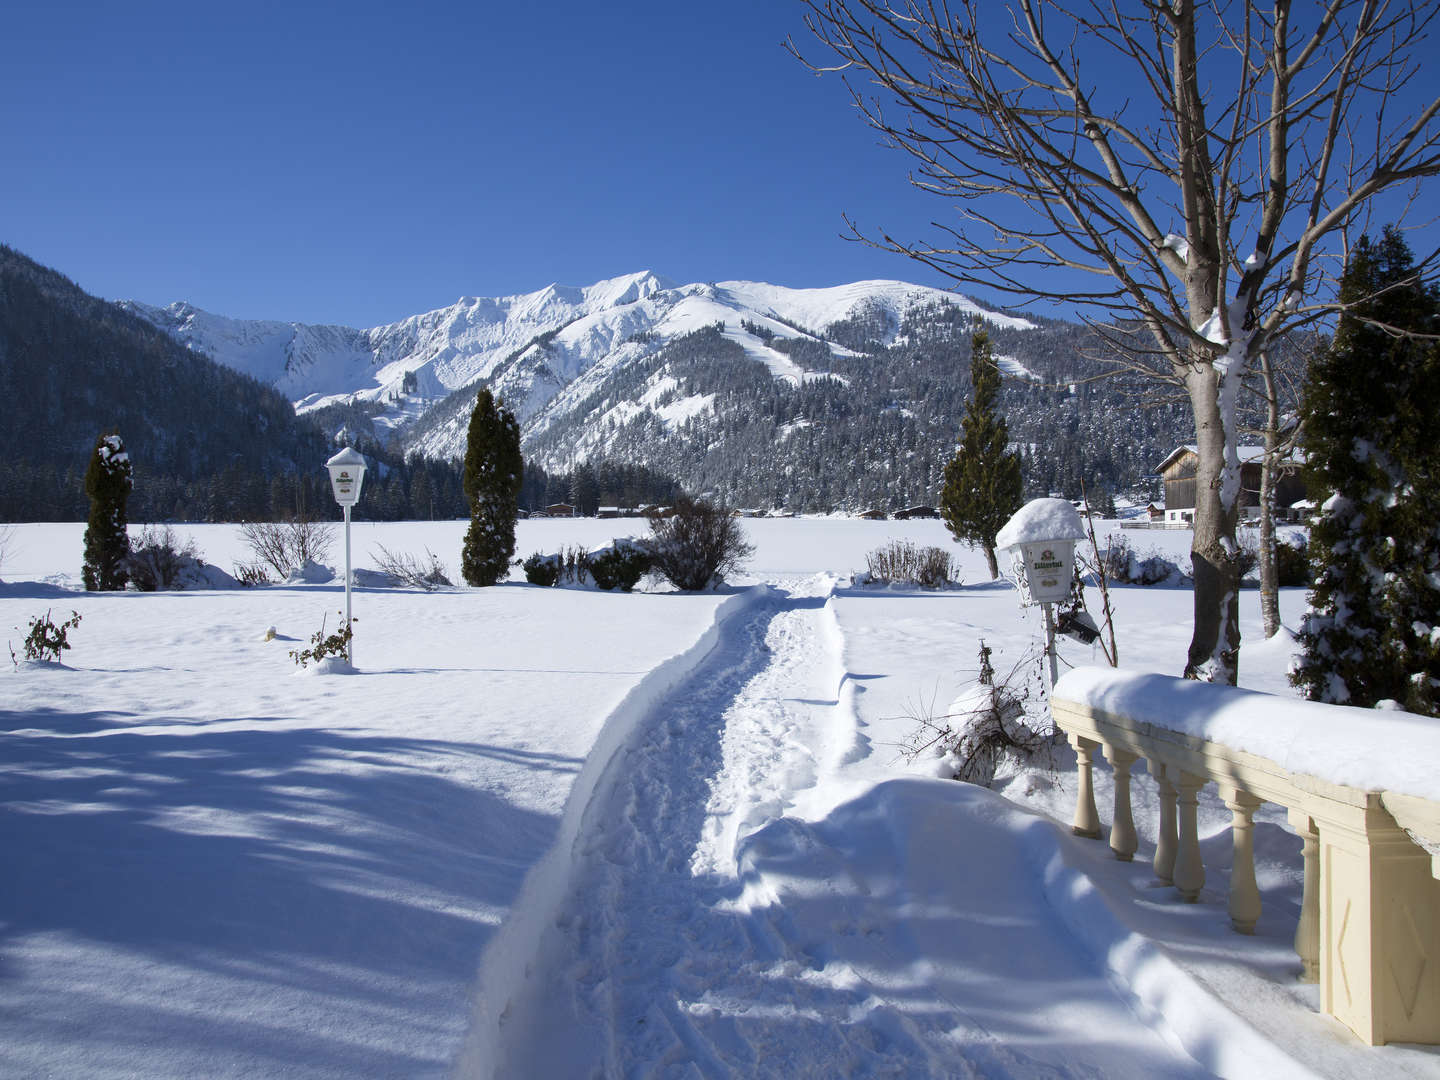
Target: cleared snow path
{"x": 839, "y": 947}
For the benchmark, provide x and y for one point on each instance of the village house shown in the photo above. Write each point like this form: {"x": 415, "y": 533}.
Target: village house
{"x": 1178, "y": 472}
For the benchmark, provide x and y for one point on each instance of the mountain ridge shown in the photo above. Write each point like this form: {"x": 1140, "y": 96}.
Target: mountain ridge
{"x": 411, "y": 365}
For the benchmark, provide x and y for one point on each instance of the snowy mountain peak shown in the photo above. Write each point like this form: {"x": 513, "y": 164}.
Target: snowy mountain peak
{"x": 530, "y": 347}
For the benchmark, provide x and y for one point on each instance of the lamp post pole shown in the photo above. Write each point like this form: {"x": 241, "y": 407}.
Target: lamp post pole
{"x": 347, "y": 474}
{"x": 350, "y": 644}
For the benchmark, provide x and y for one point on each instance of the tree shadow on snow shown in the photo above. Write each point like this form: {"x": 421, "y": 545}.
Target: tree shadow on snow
{"x": 348, "y": 873}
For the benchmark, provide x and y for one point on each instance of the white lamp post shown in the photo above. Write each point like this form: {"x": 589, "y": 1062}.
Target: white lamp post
{"x": 1041, "y": 540}
{"x": 347, "y": 474}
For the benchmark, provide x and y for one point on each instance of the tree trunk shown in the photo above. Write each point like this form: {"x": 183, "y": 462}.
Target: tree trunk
{"x": 1269, "y": 571}
{"x": 1215, "y": 644}
{"x": 990, "y": 561}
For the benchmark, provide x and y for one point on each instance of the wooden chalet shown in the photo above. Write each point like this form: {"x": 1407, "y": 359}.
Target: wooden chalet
{"x": 1178, "y": 472}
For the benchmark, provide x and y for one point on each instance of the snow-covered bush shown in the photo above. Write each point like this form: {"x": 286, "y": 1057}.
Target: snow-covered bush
{"x": 1127, "y": 566}
{"x": 253, "y": 573}
{"x": 323, "y": 645}
{"x": 284, "y": 546}
{"x": 1292, "y": 563}
{"x": 543, "y": 570}
{"x": 697, "y": 544}
{"x": 574, "y": 565}
{"x": 405, "y": 569}
{"x": 903, "y": 562}
{"x": 310, "y": 573}
{"x": 158, "y": 557}
{"x": 988, "y": 731}
{"x": 621, "y": 565}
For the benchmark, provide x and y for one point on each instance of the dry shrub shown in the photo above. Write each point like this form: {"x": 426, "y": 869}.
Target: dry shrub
{"x": 903, "y": 562}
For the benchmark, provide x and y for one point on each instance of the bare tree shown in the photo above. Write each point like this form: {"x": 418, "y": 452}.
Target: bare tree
{"x": 1185, "y": 172}
{"x": 1279, "y": 389}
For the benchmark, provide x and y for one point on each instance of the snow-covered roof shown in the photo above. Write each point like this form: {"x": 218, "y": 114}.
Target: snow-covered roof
{"x": 1041, "y": 519}
{"x": 1251, "y": 452}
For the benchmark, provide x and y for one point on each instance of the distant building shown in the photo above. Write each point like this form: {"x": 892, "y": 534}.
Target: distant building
{"x": 1178, "y": 472}
{"x": 874, "y": 515}
{"x": 916, "y": 512}
{"x": 559, "y": 510}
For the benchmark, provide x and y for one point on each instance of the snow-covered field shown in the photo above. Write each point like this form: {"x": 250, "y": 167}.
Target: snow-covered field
{"x": 554, "y": 833}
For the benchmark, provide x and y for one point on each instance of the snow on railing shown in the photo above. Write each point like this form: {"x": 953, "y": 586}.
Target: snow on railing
{"x": 1362, "y": 789}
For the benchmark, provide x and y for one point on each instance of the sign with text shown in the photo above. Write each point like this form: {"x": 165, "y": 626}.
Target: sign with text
{"x": 347, "y": 474}
{"x": 1045, "y": 570}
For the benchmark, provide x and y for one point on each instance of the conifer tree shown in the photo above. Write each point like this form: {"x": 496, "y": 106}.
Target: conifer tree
{"x": 108, "y": 480}
{"x": 493, "y": 474}
{"x": 1373, "y": 440}
{"x": 982, "y": 481}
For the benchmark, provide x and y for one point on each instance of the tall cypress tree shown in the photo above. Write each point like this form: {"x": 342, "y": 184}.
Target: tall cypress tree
{"x": 494, "y": 470}
{"x": 108, "y": 480}
{"x": 1372, "y": 435}
{"x": 982, "y": 481}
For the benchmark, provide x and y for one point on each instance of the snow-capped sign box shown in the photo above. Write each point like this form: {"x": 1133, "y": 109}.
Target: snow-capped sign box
{"x": 1041, "y": 540}
{"x": 347, "y": 473}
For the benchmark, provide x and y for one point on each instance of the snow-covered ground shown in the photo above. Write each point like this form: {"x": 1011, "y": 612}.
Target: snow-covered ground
{"x": 567, "y": 833}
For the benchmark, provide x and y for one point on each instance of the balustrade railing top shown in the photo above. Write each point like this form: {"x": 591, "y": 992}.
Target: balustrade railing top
{"x": 1362, "y": 788}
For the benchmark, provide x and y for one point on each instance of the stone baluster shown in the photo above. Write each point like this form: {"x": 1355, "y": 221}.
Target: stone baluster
{"x": 1189, "y": 869}
{"x": 1244, "y": 893}
{"x": 1307, "y": 933}
{"x": 1087, "y": 819}
{"x": 1165, "y": 840}
{"x": 1123, "y": 840}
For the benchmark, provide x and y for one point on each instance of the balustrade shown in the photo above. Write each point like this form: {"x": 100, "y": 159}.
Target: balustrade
{"x": 1369, "y": 925}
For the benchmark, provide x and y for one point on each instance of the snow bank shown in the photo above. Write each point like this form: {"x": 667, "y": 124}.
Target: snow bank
{"x": 1360, "y": 748}
{"x": 1041, "y": 519}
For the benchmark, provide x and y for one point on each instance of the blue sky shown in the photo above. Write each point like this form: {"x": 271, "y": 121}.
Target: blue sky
{"x": 357, "y": 163}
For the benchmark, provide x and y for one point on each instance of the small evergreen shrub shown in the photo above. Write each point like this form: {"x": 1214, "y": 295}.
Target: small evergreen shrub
{"x": 109, "y": 479}
{"x": 323, "y": 645}
{"x": 543, "y": 570}
{"x": 620, "y": 566}
{"x": 47, "y": 639}
{"x": 900, "y": 561}
{"x": 1292, "y": 563}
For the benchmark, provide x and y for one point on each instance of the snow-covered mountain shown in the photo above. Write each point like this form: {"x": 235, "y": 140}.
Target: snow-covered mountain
{"x": 532, "y": 347}
{"x": 764, "y": 395}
